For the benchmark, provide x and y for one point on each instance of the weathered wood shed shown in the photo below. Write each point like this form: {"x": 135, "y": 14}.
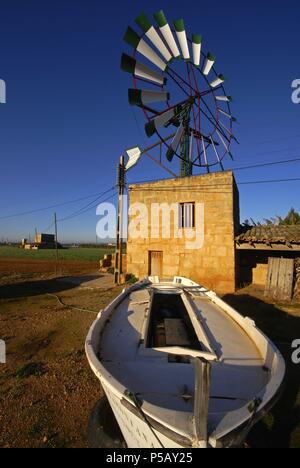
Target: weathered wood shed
{"x": 257, "y": 245}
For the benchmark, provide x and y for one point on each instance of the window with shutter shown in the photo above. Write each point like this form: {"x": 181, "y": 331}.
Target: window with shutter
{"x": 186, "y": 215}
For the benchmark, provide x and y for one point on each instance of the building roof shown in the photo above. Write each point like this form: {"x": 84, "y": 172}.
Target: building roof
{"x": 287, "y": 235}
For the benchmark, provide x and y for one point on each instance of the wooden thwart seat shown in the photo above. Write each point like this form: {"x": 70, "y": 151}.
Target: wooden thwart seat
{"x": 176, "y": 334}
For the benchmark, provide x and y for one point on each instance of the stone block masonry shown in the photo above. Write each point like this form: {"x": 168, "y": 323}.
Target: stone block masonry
{"x": 213, "y": 264}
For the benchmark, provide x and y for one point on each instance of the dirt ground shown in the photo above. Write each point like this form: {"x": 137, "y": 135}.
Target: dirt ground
{"x": 281, "y": 323}
{"x": 47, "y": 389}
{"x": 21, "y": 267}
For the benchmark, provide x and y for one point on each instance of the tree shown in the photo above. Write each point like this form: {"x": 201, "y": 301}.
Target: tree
{"x": 291, "y": 219}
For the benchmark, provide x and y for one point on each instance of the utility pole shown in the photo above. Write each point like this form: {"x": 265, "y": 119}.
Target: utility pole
{"x": 56, "y": 246}
{"x": 119, "y": 234}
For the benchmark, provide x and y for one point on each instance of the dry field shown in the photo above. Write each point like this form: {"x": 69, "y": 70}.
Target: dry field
{"x": 47, "y": 389}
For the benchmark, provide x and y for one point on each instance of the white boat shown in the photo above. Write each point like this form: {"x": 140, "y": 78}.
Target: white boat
{"x": 181, "y": 368}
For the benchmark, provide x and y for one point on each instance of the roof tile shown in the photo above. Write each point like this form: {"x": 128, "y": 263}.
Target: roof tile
{"x": 271, "y": 234}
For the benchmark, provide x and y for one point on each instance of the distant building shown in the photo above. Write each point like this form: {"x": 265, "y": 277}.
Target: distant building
{"x": 44, "y": 239}
{"x": 41, "y": 241}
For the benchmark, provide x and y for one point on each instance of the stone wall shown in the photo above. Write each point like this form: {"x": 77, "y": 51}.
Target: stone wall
{"x": 213, "y": 264}
{"x": 260, "y": 274}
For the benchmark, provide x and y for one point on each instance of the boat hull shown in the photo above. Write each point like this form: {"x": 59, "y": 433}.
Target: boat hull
{"x": 142, "y": 427}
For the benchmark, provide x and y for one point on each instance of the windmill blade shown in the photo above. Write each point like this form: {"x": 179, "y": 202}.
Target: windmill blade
{"x": 226, "y": 129}
{"x": 216, "y": 152}
{"x": 224, "y": 98}
{"x": 143, "y": 22}
{"x": 134, "y": 155}
{"x": 217, "y": 81}
{"x": 166, "y": 32}
{"x": 140, "y": 97}
{"x": 175, "y": 143}
{"x": 223, "y": 141}
{"x": 229, "y": 132}
{"x": 161, "y": 120}
{"x": 181, "y": 35}
{"x": 204, "y": 152}
{"x": 130, "y": 65}
{"x": 226, "y": 114}
{"x": 133, "y": 39}
{"x": 197, "y": 44}
{"x": 209, "y": 63}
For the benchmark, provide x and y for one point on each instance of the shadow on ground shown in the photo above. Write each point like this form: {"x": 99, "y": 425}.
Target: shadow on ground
{"x": 38, "y": 287}
{"x": 276, "y": 429}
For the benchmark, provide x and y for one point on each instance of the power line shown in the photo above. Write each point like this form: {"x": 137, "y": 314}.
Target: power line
{"x": 258, "y": 143}
{"x": 100, "y": 194}
{"x": 280, "y": 150}
{"x": 253, "y": 166}
{"x": 274, "y": 181}
{"x": 83, "y": 208}
{"x": 48, "y": 228}
{"x": 81, "y": 212}
{"x": 24, "y": 213}
{"x": 252, "y": 155}
{"x": 273, "y": 163}
{"x": 212, "y": 186}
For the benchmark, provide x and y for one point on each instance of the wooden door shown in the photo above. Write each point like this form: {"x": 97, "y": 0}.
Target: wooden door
{"x": 280, "y": 278}
{"x": 155, "y": 263}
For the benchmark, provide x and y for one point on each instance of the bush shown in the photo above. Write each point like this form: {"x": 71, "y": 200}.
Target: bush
{"x": 131, "y": 279}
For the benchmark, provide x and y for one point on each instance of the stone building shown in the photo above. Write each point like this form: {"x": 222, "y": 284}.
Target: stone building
{"x": 185, "y": 226}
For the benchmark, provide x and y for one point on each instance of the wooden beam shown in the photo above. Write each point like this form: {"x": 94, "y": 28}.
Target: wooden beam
{"x": 272, "y": 247}
{"x": 201, "y": 400}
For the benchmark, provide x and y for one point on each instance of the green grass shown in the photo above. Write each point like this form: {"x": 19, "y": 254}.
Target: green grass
{"x": 77, "y": 254}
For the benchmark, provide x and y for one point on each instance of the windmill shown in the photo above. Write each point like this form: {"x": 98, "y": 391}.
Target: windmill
{"x": 180, "y": 93}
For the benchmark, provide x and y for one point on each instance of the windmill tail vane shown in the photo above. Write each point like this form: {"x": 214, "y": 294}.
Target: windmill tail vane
{"x": 176, "y": 86}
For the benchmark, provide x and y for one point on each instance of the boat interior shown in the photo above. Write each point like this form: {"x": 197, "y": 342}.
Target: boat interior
{"x": 151, "y": 339}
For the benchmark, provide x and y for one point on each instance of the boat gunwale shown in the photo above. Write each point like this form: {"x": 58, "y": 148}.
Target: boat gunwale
{"x": 269, "y": 395}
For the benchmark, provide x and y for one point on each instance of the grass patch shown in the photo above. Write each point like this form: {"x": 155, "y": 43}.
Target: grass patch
{"x": 75, "y": 254}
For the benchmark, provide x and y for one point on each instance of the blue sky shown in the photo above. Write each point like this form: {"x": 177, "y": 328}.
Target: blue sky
{"x": 67, "y": 118}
